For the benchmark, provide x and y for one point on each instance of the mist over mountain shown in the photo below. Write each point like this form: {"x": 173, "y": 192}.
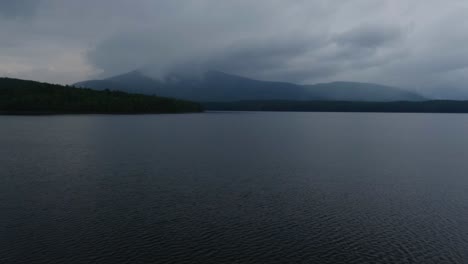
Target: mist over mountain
{"x": 355, "y": 91}
{"x": 220, "y": 86}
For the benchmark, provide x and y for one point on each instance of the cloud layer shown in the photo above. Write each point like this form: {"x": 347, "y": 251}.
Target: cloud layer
{"x": 415, "y": 44}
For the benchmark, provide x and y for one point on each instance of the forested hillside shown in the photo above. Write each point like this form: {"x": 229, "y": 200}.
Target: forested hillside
{"x": 19, "y": 96}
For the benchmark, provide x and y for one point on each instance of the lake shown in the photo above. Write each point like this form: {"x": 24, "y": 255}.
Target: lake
{"x": 234, "y": 188}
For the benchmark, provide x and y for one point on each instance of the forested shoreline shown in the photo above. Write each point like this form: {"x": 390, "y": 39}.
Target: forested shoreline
{"x": 29, "y": 97}
{"x": 431, "y": 106}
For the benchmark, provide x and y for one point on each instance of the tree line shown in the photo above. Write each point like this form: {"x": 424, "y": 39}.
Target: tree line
{"x": 35, "y": 97}
{"x": 431, "y": 106}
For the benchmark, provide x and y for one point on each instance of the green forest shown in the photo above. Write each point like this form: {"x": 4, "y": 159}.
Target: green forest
{"x": 29, "y": 97}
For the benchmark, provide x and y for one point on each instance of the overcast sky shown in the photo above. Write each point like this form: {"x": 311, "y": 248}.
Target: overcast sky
{"x": 420, "y": 44}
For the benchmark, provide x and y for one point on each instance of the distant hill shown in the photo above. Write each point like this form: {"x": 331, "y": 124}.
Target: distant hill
{"x": 132, "y": 82}
{"x": 19, "y": 96}
{"x": 217, "y": 86}
{"x": 364, "y": 92}
{"x": 212, "y": 86}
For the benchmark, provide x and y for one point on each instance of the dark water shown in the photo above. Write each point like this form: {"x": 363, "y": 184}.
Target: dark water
{"x": 234, "y": 188}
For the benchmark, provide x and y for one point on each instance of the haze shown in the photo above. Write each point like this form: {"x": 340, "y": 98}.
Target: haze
{"x": 417, "y": 45}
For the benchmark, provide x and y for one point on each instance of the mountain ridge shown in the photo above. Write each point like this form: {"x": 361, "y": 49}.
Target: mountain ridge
{"x": 217, "y": 86}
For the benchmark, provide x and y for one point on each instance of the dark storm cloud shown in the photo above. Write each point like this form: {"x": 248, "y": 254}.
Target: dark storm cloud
{"x": 369, "y": 36}
{"x": 18, "y": 8}
{"x": 247, "y": 59}
{"x": 268, "y": 39}
{"x": 414, "y": 44}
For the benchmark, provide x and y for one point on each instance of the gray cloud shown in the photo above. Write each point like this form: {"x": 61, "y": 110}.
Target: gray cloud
{"x": 370, "y": 36}
{"x": 418, "y": 44}
{"x": 18, "y": 8}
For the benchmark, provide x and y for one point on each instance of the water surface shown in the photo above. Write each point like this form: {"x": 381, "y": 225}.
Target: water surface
{"x": 234, "y": 188}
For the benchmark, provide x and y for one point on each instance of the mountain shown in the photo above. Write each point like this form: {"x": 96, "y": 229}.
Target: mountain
{"x": 132, "y": 82}
{"x": 215, "y": 86}
{"x": 212, "y": 86}
{"x": 19, "y": 96}
{"x": 365, "y": 92}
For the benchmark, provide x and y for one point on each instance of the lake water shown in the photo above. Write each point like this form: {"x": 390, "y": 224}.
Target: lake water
{"x": 234, "y": 188}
